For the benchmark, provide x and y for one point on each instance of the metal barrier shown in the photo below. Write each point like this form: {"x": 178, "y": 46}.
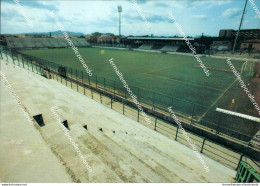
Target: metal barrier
{"x": 246, "y": 174}
{"x": 117, "y": 101}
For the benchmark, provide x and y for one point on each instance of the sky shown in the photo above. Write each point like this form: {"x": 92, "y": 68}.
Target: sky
{"x": 194, "y": 16}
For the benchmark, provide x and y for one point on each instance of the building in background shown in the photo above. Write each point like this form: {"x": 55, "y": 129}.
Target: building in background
{"x": 104, "y": 39}
{"x": 226, "y": 33}
{"x": 244, "y": 34}
{"x": 250, "y": 45}
{"x": 115, "y": 39}
{"x": 221, "y": 45}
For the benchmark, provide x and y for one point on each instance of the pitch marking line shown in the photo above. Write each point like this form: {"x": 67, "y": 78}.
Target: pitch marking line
{"x": 183, "y": 82}
{"x": 220, "y": 96}
{"x": 214, "y": 68}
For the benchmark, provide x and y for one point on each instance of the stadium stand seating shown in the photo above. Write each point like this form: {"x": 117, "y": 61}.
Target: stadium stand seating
{"x": 16, "y": 43}
{"x": 146, "y": 47}
{"x": 157, "y": 46}
{"x": 170, "y": 48}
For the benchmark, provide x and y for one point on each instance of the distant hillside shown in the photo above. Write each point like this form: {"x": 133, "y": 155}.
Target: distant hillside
{"x": 55, "y": 33}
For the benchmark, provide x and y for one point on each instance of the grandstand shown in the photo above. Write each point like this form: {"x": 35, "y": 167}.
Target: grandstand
{"x": 166, "y": 44}
{"x": 146, "y": 47}
{"x": 157, "y": 46}
{"x": 27, "y": 43}
{"x": 170, "y": 48}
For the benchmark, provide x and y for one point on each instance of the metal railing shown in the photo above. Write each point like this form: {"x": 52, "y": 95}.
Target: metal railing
{"x": 246, "y": 173}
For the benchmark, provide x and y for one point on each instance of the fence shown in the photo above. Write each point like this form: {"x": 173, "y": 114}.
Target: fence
{"x": 109, "y": 94}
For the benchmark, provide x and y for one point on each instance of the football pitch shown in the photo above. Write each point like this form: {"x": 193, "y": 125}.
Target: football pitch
{"x": 176, "y": 75}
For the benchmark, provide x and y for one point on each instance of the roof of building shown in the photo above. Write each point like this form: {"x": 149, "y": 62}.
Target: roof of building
{"x": 252, "y": 41}
{"x": 242, "y": 29}
{"x": 43, "y": 42}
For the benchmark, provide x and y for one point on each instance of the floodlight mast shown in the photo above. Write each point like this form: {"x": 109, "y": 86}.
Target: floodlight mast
{"x": 241, "y": 21}
{"x": 119, "y": 8}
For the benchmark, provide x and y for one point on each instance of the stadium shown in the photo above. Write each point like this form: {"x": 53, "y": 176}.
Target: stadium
{"x": 104, "y": 121}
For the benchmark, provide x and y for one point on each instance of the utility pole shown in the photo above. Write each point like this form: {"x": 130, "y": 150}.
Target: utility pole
{"x": 239, "y": 28}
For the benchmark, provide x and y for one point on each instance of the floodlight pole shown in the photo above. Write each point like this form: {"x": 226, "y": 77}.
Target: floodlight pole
{"x": 119, "y": 8}
{"x": 239, "y": 28}
{"x": 119, "y": 23}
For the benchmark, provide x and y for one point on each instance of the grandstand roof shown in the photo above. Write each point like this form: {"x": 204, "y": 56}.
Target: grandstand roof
{"x": 160, "y": 38}
{"x": 44, "y": 42}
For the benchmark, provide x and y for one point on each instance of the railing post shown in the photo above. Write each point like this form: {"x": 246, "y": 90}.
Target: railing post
{"x": 22, "y": 61}
{"x": 28, "y": 65}
{"x": 104, "y": 83}
{"x": 71, "y": 77}
{"x": 138, "y": 94}
{"x": 153, "y": 101}
{"x": 32, "y": 65}
{"x": 202, "y": 145}
{"x": 100, "y": 98}
{"x": 9, "y": 56}
{"x": 155, "y": 123}
{"x": 192, "y": 114}
{"x": 171, "y": 105}
{"x": 124, "y": 108}
{"x": 76, "y": 74}
{"x": 18, "y": 60}
{"x": 111, "y": 103}
{"x": 82, "y": 76}
{"x": 89, "y": 81}
{"x": 13, "y": 58}
{"x": 177, "y": 133}
{"x": 96, "y": 81}
{"x": 240, "y": 160}
{"x": 91, "y": 93}
{"x": 114, "y": 87}
{"x": 138, "y": 115}
{"x": 217, "y": 130}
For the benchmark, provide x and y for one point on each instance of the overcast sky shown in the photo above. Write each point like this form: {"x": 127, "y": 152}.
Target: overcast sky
{"x": 195, "y": 17}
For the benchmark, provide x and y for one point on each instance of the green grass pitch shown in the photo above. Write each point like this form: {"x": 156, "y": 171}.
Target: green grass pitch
{"x": 173, "y": 75}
